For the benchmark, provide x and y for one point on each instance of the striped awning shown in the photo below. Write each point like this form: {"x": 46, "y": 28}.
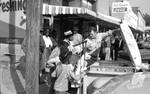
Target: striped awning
{"x": 55, "y": 10}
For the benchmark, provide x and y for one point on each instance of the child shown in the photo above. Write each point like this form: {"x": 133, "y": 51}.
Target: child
{"x": 63, "y": 73}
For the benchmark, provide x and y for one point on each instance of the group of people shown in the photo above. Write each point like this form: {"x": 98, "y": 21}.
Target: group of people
{"x": 59, "y": 61}
{"x": 67, "y": 63}
{"x": 110, "y": 47}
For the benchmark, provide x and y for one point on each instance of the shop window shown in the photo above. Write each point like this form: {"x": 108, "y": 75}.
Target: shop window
{"x": 57, "y": 2}
{"x": 90, "y": 4}
{"x": 53, "y": 2}
{"x": 92, "y": 1}
{"x": 45, "y": 23}
{"x": 46, "y": 1}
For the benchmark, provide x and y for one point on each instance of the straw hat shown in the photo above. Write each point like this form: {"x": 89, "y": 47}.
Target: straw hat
{"x": 68, "y": 33}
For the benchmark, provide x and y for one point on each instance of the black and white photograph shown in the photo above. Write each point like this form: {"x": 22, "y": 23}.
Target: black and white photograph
{"x": 74, "y": 47}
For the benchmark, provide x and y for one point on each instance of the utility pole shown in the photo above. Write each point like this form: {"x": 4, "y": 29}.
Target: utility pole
{"x": 33, "y": 13}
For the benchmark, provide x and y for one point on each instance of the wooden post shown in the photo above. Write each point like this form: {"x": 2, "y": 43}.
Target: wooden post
{"x": 33, "y": 13}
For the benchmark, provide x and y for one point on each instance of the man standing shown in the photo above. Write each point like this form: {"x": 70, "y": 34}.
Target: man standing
{"x": 116, "y": 47}
{"x": 48, "y": 44}
{"x": 65, "y": 49}
{"x": 77, "y": 38}
{"x": 93, "y": 44}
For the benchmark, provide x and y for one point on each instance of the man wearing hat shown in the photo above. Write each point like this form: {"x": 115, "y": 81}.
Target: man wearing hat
{"x": 66, "y": 56}
{"x": 77, "y": 38}
{"x": 65, "y": 49}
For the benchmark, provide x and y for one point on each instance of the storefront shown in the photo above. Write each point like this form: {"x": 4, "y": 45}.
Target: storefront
{"x": 63, "y": 18}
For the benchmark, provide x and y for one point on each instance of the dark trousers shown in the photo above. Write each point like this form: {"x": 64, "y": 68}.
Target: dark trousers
{"x": 73, "y": 90}
{"x": 116, "y": 54}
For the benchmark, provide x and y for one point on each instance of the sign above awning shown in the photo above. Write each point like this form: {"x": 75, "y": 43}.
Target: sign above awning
{"x": 120, "y": 7}
{"x": 55, "y": 10}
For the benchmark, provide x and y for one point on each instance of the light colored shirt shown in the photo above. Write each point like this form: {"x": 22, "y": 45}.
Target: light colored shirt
{"x": 93, "y": 44}
{"x": 47, "y": 41}
{"x": 63, "y": 73}
{"x": 75, "y": 49}
{"x": 77, "y": 38}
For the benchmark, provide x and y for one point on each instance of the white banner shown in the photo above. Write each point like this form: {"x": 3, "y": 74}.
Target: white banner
{"x": 131, "y": 19}
{"x": 131, "y": 45}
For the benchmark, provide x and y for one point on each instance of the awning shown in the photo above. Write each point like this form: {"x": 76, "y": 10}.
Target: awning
{"x": 109, "y": 19}
{"x": 55, "y": 10}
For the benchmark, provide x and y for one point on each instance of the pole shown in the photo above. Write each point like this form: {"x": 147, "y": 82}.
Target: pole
{"x": 33, "y": 13}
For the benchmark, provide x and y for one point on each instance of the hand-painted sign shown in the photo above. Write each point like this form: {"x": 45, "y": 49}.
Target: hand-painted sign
{"x": 131, "y": 45}
{"x": 131, "y": 19}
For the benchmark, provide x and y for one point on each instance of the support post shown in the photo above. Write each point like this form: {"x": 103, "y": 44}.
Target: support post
{"x": 33, "y": 13}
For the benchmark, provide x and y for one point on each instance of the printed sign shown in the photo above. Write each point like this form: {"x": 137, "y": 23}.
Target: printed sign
{"x": 12, "y": 5}
{"x": 120, "y": 7}
{"x": 11, "y": 12}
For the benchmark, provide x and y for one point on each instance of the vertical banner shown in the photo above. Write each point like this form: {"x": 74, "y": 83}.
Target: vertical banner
{"x": 131, "y": 45}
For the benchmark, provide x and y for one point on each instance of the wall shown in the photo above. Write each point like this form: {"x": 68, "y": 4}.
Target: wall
{"x": 103, "y": 6}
